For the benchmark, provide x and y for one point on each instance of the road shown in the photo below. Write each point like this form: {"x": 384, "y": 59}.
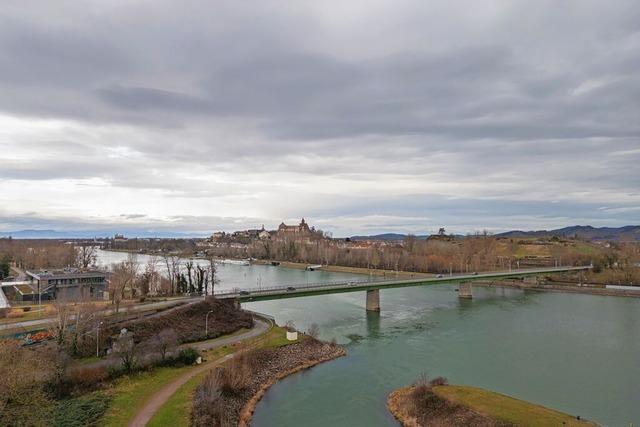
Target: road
{"x": 259, "y": 327}
{"x": 161, "y": 397}
{"x": 32, "y": 324}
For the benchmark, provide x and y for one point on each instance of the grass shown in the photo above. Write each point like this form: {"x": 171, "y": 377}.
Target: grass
{"x": 176, "y": 412}
{"x": 505, "y": 408}
{"x": 131, "y": 393}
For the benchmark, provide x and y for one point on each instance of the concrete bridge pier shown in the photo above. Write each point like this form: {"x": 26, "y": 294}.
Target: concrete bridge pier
{"x": 373, "y": 300}
{"x": 465, "y": 290}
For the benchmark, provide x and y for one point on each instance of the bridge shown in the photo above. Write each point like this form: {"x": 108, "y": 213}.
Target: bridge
{"x": 372, "y": 287}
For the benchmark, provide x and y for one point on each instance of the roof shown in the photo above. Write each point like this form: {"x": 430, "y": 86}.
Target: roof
{"x": 64, "y": 273}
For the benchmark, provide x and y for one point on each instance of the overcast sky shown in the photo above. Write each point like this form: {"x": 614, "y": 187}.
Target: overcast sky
{"x": 361, "y": 116}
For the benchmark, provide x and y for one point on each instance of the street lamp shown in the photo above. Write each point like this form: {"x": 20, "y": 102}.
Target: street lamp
{"x": 206, "y": 324}
{"x": 98, "y": 339}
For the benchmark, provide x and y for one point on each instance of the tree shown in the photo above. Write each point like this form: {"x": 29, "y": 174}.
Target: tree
{"x": 126, "y": 350}
{"x": 122, "y": 278}
{"x": 172, "y": 262}
{"x": 213, "y": 270}
{"x": 62, "y": 319}
{"x": 314, "y": 331}
{"x": 5, "y": 267}
{"x": 85, "y": 256}
{"x": 165, "y": 342}
{"x": 24, "y": 374}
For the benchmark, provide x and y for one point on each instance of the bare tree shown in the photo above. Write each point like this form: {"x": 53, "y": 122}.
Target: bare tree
{"x": 314, "y": 331}
{"x": 126, "y": 350}
{"x": 172, "y": 263}
{"x": 122, "y": 278}
{"x": 86, "y": 256}
{"x": 62, "y": 319}
{"x": 165, "y": 342}
{"x": 213, "y": 270}
{"x": 24, "y": 374}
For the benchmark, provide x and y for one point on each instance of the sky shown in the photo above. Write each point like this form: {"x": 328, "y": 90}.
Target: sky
{"x": 362, "y": 116}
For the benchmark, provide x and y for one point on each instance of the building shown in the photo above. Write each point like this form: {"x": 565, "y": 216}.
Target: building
{"x": 70, "y": 283}
{"x": 294, "y": 230}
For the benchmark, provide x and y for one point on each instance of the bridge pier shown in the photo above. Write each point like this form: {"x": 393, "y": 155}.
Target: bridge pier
{"x": 465, "y": 290}
{"x": 373, "y": 300}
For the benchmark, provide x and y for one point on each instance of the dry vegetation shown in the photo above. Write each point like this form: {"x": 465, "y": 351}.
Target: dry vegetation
{"x": 188, "y": 321}
{"x": 222, "y": 398}
{"x": 420, "y": 406}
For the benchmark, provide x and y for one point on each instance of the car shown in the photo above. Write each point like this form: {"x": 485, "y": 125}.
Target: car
{"x": 440, "y": 276}
{"x": 244, "y": 292}
{"x": 290, "y": 288}
{"x": 475, "y": 273}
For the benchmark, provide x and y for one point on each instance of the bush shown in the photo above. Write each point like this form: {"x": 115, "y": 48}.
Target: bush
{"x": 236, "y": 376}
{"x": 81, "y": 411}
{"x": 438, "y": 381}
{"x": 187, "y": 356}
{"x": 88, "y": 376}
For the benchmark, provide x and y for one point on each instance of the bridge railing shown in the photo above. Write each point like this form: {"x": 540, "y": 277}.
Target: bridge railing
{"x": 279, "y": 288}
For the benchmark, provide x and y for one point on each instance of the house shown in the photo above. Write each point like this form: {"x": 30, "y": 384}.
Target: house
{"x": 71, "y": 283}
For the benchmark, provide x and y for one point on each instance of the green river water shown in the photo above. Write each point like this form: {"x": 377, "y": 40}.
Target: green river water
{"x": 576, "y": 353}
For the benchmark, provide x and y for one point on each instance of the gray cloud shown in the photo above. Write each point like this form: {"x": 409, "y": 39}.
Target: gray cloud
{"x": 225, "y": 106}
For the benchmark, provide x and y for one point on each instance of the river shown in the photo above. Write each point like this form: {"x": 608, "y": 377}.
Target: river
{"x": 576, "y": 353}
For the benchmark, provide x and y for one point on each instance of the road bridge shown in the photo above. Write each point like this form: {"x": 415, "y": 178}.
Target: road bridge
{"x": 372, "y": 287}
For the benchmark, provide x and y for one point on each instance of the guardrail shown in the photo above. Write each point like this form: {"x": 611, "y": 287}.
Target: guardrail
{"x": 270, "y": 289}
{"x": 296, "y": 288}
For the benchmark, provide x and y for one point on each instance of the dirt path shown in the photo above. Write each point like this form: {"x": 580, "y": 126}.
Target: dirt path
{"x": 160, "y": 398}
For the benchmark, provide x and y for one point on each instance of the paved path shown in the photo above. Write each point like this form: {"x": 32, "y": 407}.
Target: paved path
{"x": 129, "y": 310}
{"x": 160, "y": 398}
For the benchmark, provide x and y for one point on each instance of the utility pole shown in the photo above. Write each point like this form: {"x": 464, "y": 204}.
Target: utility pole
{"x": 98, "y": 339}
{"x": 206, "y": 324}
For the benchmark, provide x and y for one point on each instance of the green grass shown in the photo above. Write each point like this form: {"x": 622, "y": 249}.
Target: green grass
{"x": 177, "y": 411}
{"x": 131, "y": 393}
{"x": 505, "y": 408}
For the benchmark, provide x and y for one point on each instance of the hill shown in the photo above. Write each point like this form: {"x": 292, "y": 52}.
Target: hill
{"x": 627, "y": 233}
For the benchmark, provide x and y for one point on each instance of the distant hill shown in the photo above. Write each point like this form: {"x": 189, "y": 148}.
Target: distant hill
{"x": 627, "y": 233}
{"x": 88, "y": 234}
{"x": 385, "y": 236}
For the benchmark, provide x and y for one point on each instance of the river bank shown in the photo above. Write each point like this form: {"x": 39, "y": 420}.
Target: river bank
{"x": 342, "y": 269}
{"x": 229, "y": 395}
{"x": 425, "y": 405}
{"x": 584, "y": 288}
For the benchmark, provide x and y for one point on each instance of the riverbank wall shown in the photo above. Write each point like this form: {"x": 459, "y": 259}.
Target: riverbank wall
{"x": 584, "y": 288}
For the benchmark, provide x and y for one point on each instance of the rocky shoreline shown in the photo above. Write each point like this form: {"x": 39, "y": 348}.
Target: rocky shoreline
{"x": 220, "y": 404}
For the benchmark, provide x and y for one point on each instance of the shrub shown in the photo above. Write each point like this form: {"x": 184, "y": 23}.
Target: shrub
{"x": 88, "y": 376}
{"x": 314, "y": 331}
{"x": 236, "y": 376}
{"x": 187, "y": 356}
{"x": 208, "y": 404}
{"x": 81, "y": 411}
{"x": 438, "y": 381}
